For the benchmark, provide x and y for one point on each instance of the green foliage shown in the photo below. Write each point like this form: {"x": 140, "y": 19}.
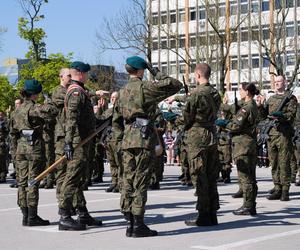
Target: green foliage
{"x": 45, "y": 71}
{"x": 7, "y": 94}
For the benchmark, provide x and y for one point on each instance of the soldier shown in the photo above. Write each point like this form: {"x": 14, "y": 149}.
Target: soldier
{"x": 79, "y": 125}
{"x": 137, "y": 103}
{"x": 58, "y": 98}
{"x": 3, "y": 147}
{"x": 113, "y": 146}
{"x": 280, "y": 138}
{"x": 243, "y": 130}
{"x": 18, "y": 103}
{"x": 296, "y": 140}
{"x": 200, "y": 114}
{"x": 27, "y": 145}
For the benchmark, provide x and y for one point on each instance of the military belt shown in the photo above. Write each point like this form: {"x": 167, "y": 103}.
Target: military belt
{"x": 29, "y": 135}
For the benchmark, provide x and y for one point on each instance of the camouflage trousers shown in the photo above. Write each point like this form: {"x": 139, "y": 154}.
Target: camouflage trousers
{"x": 185, "y": 164}
{"x": 225, "y": 157}
{"x": 157, "y": 169}
{"x": 136, "y": 178}
{"x": 50, "y": 158}
{"x": 30, "y": 161}
{"x": 98, "y": 165}
{"x": 71, "y": 191}
{"x": 113, "y": 153}
{"x": 295, "y": 162}
{"x": 246, "y": 167}
{"x": 280, "y": 152}
{"x": 204, "y": 172}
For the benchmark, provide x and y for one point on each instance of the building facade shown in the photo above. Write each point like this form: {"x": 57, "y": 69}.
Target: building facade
{"x": 246, "y": 37}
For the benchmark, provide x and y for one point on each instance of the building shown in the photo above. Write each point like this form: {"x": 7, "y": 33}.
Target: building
{"x": 185, "y": 32}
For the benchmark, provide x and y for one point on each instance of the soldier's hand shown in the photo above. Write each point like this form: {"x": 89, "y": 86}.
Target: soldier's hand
{"x": 69, "y": 150}
{"x": 102, "y": 92}
{"x": 170, "y": 99}
{"x": 101, "y": 102}
{"x": 153, "y": 70}
{"x": 225, "y": 99}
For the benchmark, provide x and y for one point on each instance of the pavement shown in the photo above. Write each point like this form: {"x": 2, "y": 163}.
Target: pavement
{"x": 277, "y": 225}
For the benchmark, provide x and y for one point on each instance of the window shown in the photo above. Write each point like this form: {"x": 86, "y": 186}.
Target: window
{"x": 234, "y": 63}
{"x": 298, "y": 3}
{"x": 163, "y": 19}
{"x": 265, "y": 6}
{"x": 173, "y": 69}
{"x": 181, "y": 69}
{"x": 255, "y": 35}
{"x": 266, "y": 62}
{"x": 290, "y": 31}
{"x": 234, "y": 37}
{"x": 289, "y": 3}
{"x": 244, "y": 36}
{"x": 193, "y": 42}
{"x": 173, "y": 43}
{"x": 222, "y": 11}
{"x": 193, "y": 15}
{"x": 244, "y": 63}
{"x": 266, "y": 34}
{"x": 290, "y": 60}
{"x": 255, "y": 61}
{"x": 244, "y": 8}
{"x": 254, "y": 8}
{"x": 164, "y": 69}
{"x": 202, "y": 14}
{"x": 155, "y": 45}
{"x": 201, "y": 40}
{"x": 155, "y": 20}
{"x": 233, "y": 8}
{"x": 173, "y": 18}
{"x": 181, "y": 42}
{"x": 181, "y": 17}
{"x": 164, "y": 44}
{"x": 278, "y": 4}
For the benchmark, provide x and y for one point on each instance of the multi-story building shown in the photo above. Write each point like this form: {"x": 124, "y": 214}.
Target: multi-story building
{"x": 185, "y": 32}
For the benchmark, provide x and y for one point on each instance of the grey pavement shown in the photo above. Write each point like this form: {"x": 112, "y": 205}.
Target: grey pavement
{"x": 277, "y": 225}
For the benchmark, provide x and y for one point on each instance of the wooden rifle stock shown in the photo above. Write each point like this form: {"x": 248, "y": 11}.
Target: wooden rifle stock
{"x": 61, "y": 159}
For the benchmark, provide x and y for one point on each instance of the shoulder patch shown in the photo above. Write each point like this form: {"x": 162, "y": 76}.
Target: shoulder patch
{"x": 75, "y": 93}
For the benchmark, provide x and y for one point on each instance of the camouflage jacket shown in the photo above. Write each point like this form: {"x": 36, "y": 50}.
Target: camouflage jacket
{"x": 58, "y": 98}
{"x": 29, "y": 116}
{"x": 139, "y": 99}
{"x": 200, "y": 114}
{"x": 243, "y": 129}
{"x": 285, "y": 125}
{"x": 3, "y": 136}
{"x": 80, "y": 118}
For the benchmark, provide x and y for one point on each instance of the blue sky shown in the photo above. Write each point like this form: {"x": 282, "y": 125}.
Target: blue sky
{"x": 70, "y": 26}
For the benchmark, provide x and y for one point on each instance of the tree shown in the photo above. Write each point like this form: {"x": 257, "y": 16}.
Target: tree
{"x": 7, "y": 94}
{"x": 129, "y": 30}
{"x": 45, "y": 71}
{"x": 28, "y": 30}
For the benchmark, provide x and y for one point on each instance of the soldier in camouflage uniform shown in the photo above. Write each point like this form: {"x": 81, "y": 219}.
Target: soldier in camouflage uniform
{"x": 28, "y": 146}
{"x": 280, "y": 139}
{"x": 3, "y": 147}
{"x": 200, "y": 114}
{"x": 58, "y": 98}
{"x": 243, "y": 130}
{"x": 137, "y": 103}
{"x": 296, "y": 141}
{"x": 79, "y": 125}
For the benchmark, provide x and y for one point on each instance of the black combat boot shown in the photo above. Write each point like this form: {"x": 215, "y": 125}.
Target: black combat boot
{"x": 110, "y": 188}
{"x": 226, "y": 177}
{"x": 34, "y": 219}
{"x": 67, "y": 223}
{"x": 130, "y": 221}
{"x": 203, "y": 219}
{"x": 49, "y": 185}
{"x": 180, "y": 177}
{"x": 154, "y": 186}
{"x": 246, "y": 210}
{"x": 271, "y": 191}
{"x": 85, "y": 218}
{"x": 116, "y": 189}
{"x": 25, "y": 216}
{"x": 214, "y": 218}
{"x": 238, "y": 194}
{"x": 297, "y": 183}
{"x": 276, "y": 195}
{"x": 140, "y": 229}
{"x": 285, "y": 195}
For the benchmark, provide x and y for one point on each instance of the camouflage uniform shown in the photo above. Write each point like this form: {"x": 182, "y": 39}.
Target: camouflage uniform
{"x": 80, "y": 123}
{"x": 199, "y": 115}
{"x": 296, "y": 166}
{"x": 280, "y": 146}
{"x": 3, "y": 150}
{"x": 29, "y": 148}
{"x": 58, "y": 98}
{"x": 139, "y": 99}
{"x": 243, "y": 130}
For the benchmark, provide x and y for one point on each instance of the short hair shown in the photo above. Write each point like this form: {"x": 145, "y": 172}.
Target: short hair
{"x": 204, "y": 70}
{"x": 130, "y": 69}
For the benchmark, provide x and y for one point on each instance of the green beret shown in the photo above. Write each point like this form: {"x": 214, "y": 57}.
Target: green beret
{"x": 32, "y": 86}
{"x": 137, "y": 62}
{"x": 80, "y": 66}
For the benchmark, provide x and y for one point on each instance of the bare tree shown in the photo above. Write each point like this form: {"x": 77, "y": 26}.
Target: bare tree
{"x": 129, "y": 30}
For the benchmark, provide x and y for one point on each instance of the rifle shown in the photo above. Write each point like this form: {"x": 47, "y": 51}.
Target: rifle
{"x": 270, "y": 123}
{"x": 186, "y": 88}
{"x": 61, "y": 159}
{"x": 236, "y": 107}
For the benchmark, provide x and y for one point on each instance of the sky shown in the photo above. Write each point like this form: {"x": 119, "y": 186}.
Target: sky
{"x": 70, "y": 26}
